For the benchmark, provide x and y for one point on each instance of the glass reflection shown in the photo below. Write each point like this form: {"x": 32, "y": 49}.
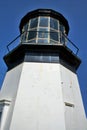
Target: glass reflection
{"x": 43, "y": 33}
{"x": 53, "y": 35}
{"x": 33, "y": 22}
{"x": 43, "y": 22}
{"x": 62, "y": 39}
{"x": 24, "y": 36}
{"x": 26, "y": 27}
{"x": 62, "y": 28}
{"x": 54, "y": 23}
{"x": 42, "y": 40}
{"x": 32, "y": 34}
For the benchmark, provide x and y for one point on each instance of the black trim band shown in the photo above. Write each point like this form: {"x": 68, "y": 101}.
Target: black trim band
{"x": 42, "y": 53}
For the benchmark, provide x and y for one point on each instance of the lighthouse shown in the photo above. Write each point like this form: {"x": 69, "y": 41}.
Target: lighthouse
{"x": 41, "y": 90}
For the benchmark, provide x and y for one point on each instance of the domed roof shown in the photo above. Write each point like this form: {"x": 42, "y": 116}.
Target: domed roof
{"x": 44, "y": 12}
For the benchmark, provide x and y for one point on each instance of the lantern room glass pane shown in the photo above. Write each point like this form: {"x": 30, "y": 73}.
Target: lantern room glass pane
{"x": 32, "y": 41}
{"x": 24, "y": 36}
{"x": 43, "y": 33}
{"x": 34, "y": 23}
{"x": 53, "y": 42}
{"x": 62, "y": 39}
{"x": 53, "y": 23}
{"x": 42, "y": 40}
{"x": 43, "y": 22}
{"x": 62, "y": 28}
{"x": 54, "y": 35}
{"x": 26, "y": 27}
{"x": 32, "y": 34}
{"x": 43, "y": 29}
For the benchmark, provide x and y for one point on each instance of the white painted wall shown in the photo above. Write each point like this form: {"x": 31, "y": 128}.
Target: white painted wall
{"x": 37, "y": 92}
{"x": 39, "y": 103}
{"x": 75, "y": 117}
{"x": 10, "y": 84}
{"x": 8, "y": 92}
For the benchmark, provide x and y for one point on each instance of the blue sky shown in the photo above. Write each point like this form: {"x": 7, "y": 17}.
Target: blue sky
{"x": 75, "y": 11}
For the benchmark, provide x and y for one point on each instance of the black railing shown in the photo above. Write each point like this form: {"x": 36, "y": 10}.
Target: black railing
{"x": 67, "y": 42}
{"x": 13, "y": 42}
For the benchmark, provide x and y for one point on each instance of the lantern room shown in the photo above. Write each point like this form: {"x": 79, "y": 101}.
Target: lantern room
{"x": 44, "y": 26}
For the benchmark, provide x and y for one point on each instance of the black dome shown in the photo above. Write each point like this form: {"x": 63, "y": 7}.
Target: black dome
{"x": 44, "y": 12}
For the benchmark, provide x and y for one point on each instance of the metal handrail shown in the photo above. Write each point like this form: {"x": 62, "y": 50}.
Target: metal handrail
{"x": 12, "y": 42}
{"x": 68, "y": 40}
{"x": 71, "y": 43}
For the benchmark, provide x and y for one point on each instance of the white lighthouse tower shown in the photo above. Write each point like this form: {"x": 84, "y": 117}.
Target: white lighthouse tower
{"x": 41, "y": 90}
